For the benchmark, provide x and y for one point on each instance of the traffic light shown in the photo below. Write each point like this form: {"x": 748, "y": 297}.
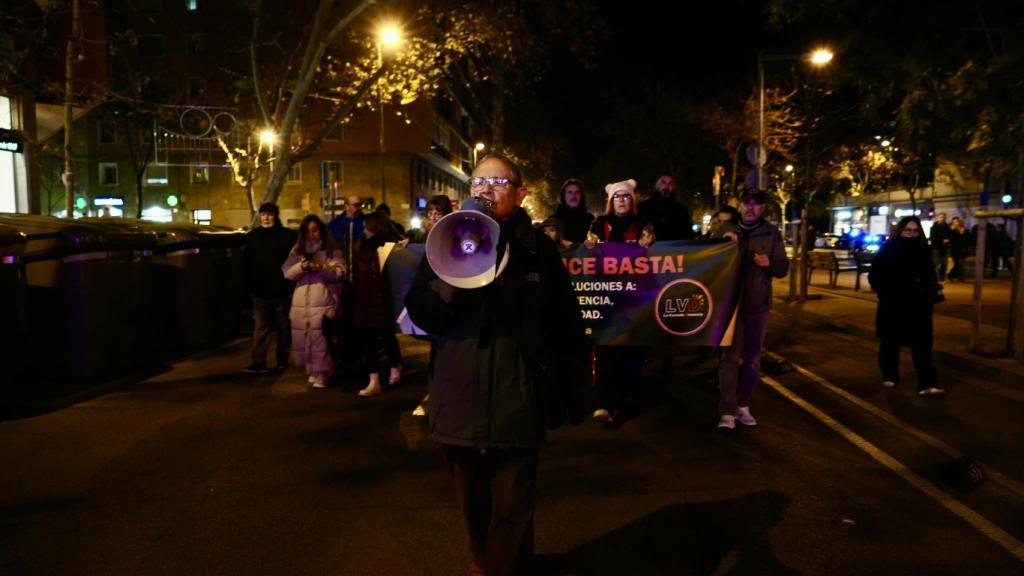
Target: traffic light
{"x": 1007, "y": 199}
{"x": 172, "y": 200}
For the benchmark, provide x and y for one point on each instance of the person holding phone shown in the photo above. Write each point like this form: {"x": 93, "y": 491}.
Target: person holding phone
{"x": 317, "y": 268}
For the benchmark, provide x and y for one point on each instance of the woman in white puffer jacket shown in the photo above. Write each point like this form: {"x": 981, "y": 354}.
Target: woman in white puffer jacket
{"x": 317, "y": 268}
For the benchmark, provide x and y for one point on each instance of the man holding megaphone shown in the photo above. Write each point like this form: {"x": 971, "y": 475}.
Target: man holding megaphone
{"x": 510, "y": 356}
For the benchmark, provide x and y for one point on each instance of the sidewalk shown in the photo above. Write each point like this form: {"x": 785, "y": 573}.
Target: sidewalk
{"x": 853, "y": 312}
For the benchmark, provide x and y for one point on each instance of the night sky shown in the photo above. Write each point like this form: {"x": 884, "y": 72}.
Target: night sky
{"x": 689, "y": 54}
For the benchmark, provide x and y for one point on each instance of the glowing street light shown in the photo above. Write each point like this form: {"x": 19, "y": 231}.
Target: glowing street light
{"x": 477, "y": 150}
{"x": 389, "y": 36}
{"x": 268, "y": 137}
{"x": 820, "y": 57}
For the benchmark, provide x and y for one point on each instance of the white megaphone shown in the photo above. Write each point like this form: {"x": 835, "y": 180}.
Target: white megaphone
{"x": 462, "y": 248}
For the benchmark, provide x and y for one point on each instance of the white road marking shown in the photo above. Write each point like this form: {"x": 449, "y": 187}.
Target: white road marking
{"x": 979, "y": 522}
{"x": 998, "y": 477}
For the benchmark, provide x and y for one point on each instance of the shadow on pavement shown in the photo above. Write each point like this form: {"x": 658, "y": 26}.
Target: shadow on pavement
{"x": 724, "y": 537}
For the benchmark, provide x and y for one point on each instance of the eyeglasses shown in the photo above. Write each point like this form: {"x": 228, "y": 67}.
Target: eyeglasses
{"x": 497, "y": 184}
{"x": 621, "y": 196}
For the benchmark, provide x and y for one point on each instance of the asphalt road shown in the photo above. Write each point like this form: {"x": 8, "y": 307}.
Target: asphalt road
{"x": 205, "y": 470}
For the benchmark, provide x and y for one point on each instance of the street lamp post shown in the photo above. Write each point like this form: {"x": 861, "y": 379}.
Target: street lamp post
{"x": 820, "y": 57}
{"x": 479, "y": 147}
{"x": 389, "y": 35}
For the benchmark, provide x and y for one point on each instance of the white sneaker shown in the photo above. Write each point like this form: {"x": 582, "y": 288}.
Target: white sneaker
{"x": 744, "y": 416}
{"x": 373, "y": 388}
{"x": 888, "y": 384}
{"x": 319, "y": 382}
{"x": 602, "y": 415}
{"x": 933, "y": 391}
{"x": 726, "y": 422}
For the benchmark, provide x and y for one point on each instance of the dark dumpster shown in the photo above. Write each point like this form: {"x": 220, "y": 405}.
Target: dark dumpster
{"x": 86, "y": 292}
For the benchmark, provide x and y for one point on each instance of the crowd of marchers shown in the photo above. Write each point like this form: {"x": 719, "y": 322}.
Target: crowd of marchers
{"x": 509, "y": 360}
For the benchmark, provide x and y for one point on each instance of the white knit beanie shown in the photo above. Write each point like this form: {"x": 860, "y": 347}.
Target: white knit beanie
{"x": 628, "y": 186}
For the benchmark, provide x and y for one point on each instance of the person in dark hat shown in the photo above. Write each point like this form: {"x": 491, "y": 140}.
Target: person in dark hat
{"x": 762, "y": 257}
{"x": 266, "y": 250}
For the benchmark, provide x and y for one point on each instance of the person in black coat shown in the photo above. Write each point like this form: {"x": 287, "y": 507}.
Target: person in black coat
{"x": 959, "y": 248}
{"x": 267, "y": 248}
{"x": 572, "y": 211}
{"x": 903, "y": 276}
{"x": 671, "y": 220}
{"x": 507, "y": 356}
{"x": 940, "y": 238}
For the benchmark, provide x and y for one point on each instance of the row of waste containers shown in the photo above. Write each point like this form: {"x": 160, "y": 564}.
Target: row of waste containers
{"x": 97, "y": 298}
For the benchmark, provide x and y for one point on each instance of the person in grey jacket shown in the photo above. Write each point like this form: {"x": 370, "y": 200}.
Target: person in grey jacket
{"x": 505, "y": 355}
{"x": 762, "y": 257}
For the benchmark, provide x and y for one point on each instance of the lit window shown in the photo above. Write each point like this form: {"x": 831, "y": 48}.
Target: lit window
{"x": 294, "y": 175}
{"x": 331, "y": 175}
{"x": 108, "y": 173}
{"x": 156, "y": 175}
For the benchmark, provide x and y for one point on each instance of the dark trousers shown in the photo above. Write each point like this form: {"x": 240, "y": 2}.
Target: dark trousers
{"x": 496, "y": 490}
{"x": 271, "y": 315}
{"x": 372, "y": 341}
{"x": 736, "y": 382}
{"x": 940, "y": 256}
{"x": 617, "y": 375}
{"x": 920, "y": 351}
{"x": 957, "y": 271}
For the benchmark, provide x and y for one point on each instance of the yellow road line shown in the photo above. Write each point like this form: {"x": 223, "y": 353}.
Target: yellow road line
{"x": 979, "y": 522}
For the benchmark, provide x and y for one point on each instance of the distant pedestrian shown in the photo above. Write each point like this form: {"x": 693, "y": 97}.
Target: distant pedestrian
{"x": 386, "y": 211}
{"x": 940, "y": 240}
{"x": 762, "y": 257}
{"x": 903, "y": 277}
{"x": 347, "y": 228}
{"x": 959, "y": 248}
{"x": 317, "y": 268}
{"x": 670, "y": 218}
{"x": 1002, "y": 249}
{"x": 266, "y": 250}
{"x": 572, "y": 211}
{"x": 438, "y": 207}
